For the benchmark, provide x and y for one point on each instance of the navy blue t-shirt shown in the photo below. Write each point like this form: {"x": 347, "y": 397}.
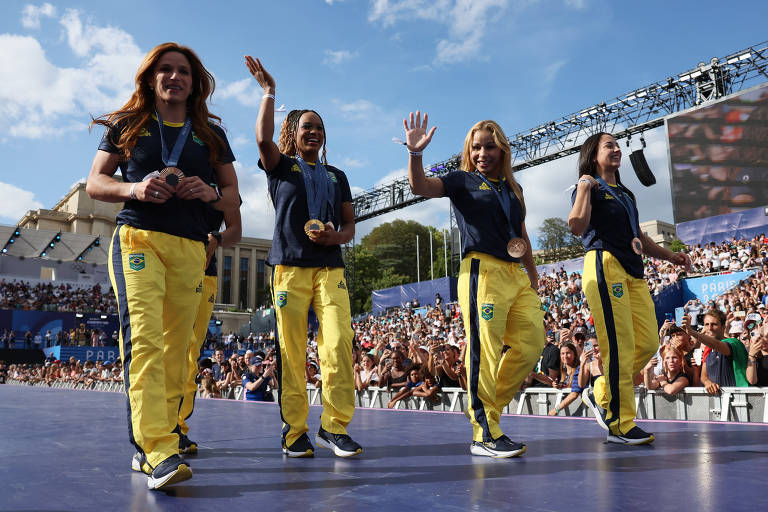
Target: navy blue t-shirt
{"x": 609, "y": 228}
{"x": 290, "y": 244}
{"x": 257, "y": 394}
{"x": 179, "y": 217}
{"x": 480, "y": 218}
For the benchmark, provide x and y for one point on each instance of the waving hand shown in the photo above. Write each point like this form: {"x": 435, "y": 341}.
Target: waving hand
{"x": 416, "y": 136}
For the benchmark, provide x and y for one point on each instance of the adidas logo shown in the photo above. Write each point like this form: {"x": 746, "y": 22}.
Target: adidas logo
{"x": 199, "y": 288}
{"x": 342, "y": 285}
{"x": 212, "y": 299}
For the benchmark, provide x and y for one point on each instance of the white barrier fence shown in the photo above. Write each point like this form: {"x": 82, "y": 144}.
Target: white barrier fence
{"x": 732, "y": 404}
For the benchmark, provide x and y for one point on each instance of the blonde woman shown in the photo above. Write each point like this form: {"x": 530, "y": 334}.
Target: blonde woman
{"x": 498, "y": 298}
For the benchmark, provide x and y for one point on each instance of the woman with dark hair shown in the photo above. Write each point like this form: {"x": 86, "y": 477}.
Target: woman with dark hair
{"x": 502, "y": 311}
{"x": 604, "y": 214}
{"x": 569, "y": 377}
{"x": 313, "y": 217}
{"x": 170, "y": 150}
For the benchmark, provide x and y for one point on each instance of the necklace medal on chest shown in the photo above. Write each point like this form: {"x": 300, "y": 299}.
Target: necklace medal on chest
{"x": 171, "y": 174}
{"x": 626, "y": 202}
{"x": 320, "y": 195}
{"x": 516, "y": 246}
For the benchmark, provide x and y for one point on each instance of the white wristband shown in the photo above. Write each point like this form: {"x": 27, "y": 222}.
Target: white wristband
{"x": 415, "y": 153}
{"x": 271, "y": 96}
{"x": 132, "y": 192}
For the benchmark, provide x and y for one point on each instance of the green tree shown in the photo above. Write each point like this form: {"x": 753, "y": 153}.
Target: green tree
{"x": 394, "y": 246}
{"x": 386, "y": 257}
{"x": 677, "y": 245}
{"x": 556, "y": 240}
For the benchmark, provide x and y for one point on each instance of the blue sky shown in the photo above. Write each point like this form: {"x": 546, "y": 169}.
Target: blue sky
{"x": 363, "y": 65}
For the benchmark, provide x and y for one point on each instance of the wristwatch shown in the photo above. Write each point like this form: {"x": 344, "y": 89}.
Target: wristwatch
{"x": 216, "y": 235}
{"x": 218, "y": 194}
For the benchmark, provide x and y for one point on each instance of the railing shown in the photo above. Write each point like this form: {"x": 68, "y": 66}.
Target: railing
{"x": 745, "y": 405}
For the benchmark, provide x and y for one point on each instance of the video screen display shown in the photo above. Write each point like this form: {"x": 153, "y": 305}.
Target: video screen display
{"x": 719, "y": 156}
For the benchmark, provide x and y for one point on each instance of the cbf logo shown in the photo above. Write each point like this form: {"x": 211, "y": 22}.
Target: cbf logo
{"x": 282, "y": 299}
{"x": 332, "y": 177}
{"x": 136, "y": 261}
{"x": 618, "y": 290}
{"x": 486, "y": 311}
{"x": 296, "y": 168}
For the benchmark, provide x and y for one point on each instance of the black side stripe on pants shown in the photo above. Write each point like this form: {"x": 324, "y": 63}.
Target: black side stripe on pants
{"x": 278, "y": 358}
{"x": 125, "y": 324}
{"x": 610, "y": 328}
{"x": 474, "y": 340}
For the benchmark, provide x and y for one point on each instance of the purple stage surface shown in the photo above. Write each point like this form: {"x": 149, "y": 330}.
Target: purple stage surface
{"x": 68, "y": 450}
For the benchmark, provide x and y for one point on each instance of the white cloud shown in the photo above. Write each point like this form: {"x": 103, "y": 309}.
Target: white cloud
{"x": 336, "y": 57}
{"x": 31, "y": 14}
{"x": 358, "y": 110}
{"x": 38, "y": 98}
{"x": 14, "y": 202}
{"x": 257, "y": 213}
{"x": 239, "y": 141}
{"x": 390, "y": 177}
{"x": 352, "y": 163}
{"x": 246, "y": 91}
{"x": 466, "y": 21}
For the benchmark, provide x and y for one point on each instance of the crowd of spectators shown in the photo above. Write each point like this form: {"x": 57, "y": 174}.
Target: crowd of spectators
{"x": 84, "y": 374}
{"x": 417, "y": 351}
{"x": 48, "y": 296}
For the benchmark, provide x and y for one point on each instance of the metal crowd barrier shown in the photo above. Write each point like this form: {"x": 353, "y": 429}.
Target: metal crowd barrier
{"x": 746, "y": 405}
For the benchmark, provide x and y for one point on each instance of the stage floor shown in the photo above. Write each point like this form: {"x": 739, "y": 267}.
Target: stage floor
{"x": 68, "y": 450}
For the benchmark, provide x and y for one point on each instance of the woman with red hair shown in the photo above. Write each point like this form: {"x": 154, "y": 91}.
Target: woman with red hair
{"x": 176, "y": 165}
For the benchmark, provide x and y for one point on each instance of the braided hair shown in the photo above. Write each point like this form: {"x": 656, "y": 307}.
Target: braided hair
{"x": 286, "y": 142}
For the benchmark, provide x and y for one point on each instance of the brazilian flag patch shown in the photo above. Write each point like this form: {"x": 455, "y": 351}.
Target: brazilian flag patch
{"x": 618, "y": 290}
{"x": 332, "y": 177}
{"x": 136, "y": 261}
{"x": 296, "y": 168}
{"x": 282, "y": 299}
{"x": 486, "y": 311}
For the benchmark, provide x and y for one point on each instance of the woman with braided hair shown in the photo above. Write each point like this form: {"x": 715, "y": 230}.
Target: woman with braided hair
{"x": 313, "y": 217}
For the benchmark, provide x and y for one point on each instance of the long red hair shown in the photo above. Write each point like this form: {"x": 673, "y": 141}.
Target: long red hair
{"x": 134, "y": 115}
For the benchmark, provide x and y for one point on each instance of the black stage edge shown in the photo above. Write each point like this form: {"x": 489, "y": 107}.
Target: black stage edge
{"x": 67, "y": 450}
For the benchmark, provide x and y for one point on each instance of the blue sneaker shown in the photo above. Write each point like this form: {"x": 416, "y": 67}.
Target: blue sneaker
{"x": 186, "y": 445}
{"x": 172, "y": 470}
{"x": 139, "y": 464}
{"x": 588, "y": 397}
{"x": 301, "y": 448}
{"x": 635, "y": 436}
{"x": 500, "y": 448}
{"x": 340, "y": 444}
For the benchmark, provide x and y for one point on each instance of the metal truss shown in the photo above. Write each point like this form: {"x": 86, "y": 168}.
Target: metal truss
{"x": 626, "y": 115}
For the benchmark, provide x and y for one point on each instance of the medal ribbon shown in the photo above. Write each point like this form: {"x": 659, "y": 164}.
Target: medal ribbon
{"x": 505, "y": 201}
{"x": 319, "y": 187}
{"x": 172, "y": 160}
{"x": 625, "y": 201}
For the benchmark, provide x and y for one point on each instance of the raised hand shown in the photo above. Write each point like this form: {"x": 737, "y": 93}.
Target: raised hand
{"x": 416, "y": 136}
{"x": 260, "y": 74}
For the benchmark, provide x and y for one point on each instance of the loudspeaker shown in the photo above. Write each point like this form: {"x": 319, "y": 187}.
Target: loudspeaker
{"x": 640, "y": 165}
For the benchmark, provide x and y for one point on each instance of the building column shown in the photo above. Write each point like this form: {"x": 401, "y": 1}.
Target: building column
{"x": 235, "y": 297}
{"x": 252, "y": 269}
{"x": 219, "y": 271}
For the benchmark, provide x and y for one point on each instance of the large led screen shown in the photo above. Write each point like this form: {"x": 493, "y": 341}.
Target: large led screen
{"x": 719, "y": 156}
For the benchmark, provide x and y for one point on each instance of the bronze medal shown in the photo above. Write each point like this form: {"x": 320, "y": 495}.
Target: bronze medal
{"x": 171, "y": 175}
{"x": 637, "y": 246}
{"x": 517, "y": 247}
{"x": 313, "y": 225}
